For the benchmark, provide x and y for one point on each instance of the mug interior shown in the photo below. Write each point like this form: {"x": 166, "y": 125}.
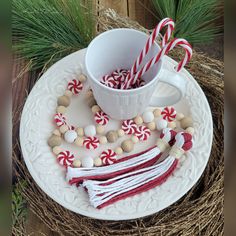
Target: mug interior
{"x": 118, "y": 49}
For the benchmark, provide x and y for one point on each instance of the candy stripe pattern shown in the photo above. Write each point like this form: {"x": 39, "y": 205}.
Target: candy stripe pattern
{"x": 91, "y": 143}
{"x": 139, "y": 83}
{"x": 109, "y": 81}
{"x": 169, "y": 114}
{"x": 143, "y": 133}
{"x": 65, "y": 158}
{"x": 108, "y": 157}
{"x": 75, "y": 86}
{"x": 59, "y": 119}
{"x": 129, "y": 126}
{"x": 119, "y": 75}
{"x": 101, "y": 118}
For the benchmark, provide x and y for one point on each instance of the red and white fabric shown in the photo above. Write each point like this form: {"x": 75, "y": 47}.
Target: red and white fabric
{"x": 91, "y": 143}
{"x": 75, "y": 86}
{"x": 101, "y": 118}
{"x": 65, "y": 158}
{"x": 129, "y": 126}
{"x": 143, "y": 133}
{"x": 59, "y": 119}
{"x": 108, "y": 157}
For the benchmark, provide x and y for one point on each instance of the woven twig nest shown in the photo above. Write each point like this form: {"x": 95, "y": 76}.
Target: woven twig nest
{"x": 199, "y": 212}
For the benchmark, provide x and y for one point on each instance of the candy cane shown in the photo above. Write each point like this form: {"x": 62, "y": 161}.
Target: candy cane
{"x": 125, "y": 164}
{"x": 165, "y": 22}
{"x": 106, "y": 192}
{"x": 174, "y": 43}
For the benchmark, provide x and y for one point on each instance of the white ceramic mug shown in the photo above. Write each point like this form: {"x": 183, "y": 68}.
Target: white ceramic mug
{"x": 118, "y": 49}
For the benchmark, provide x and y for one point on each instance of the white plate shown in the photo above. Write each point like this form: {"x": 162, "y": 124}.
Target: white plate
{"x": 37, "y": 125}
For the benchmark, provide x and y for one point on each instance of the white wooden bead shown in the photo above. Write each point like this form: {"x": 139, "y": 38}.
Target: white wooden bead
{"x": 90, "y": 130}
{"x": 121, "y": 132}
{"x": 134, "y": 139}
{"x": 82, "y": 78}
{"x": 63, "y": 128}
{"x": 148, "y": 116}
{"x": 138, "y": 120}
{"x": 57, "y": 132}
{"x": 79, "y": 142}
{"x": 68, "y": 93}
{"x": 172, "y": 125}
{"x": 161, "y": 123}
{"x": 97, "y": 161}
{"x": 95, "y": 109}
{"x": 61, "y": 109}
{"x": 118, "y": 151}
{"x": 190, "y": 130}
{"x": 179, "y": 116}
{"x": 103, "y": 140}
{"x": 87, "y": 162}
{"x": 157, "y": 112}
{"x": 77, "y": 163}
{"x": 80, "y": 131}
{"x": 70, "y": 136}
{"x": 100, "y": 129}
{"x": 56, "y": 150}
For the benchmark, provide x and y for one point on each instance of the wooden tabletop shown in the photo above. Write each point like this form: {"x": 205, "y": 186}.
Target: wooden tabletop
{"x": 22, "y": 82}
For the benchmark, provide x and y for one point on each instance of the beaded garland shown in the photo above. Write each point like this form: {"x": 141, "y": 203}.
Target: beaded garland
{"x": 92, "y": 136}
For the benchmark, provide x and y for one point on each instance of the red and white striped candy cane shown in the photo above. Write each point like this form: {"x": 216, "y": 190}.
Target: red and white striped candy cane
{"x": 165, "y": 22}
{"x": 174, "y": 43}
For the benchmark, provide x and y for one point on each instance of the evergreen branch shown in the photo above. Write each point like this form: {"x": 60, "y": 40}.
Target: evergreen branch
{"x": 44, "y": 28}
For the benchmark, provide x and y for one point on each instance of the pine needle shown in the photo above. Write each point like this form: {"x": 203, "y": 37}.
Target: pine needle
{"x": 195, "y": 19}
{"x": 44, "y": 31}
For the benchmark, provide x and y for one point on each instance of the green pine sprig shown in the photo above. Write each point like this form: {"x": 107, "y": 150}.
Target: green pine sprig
{"x": 195, "y": 19}
{"x": 44, "y": 31}
{"x": 19, "y": 204}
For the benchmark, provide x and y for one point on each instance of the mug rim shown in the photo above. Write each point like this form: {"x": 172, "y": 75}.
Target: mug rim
{"x": 113, "y": 89}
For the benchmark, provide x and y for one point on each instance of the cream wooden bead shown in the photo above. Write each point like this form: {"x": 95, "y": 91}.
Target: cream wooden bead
{"x": 95, "y": 109}
{"x": 54, "y": 140}
{"x": 77, "y": 163}
{"x": 157, "y": 112}
{"x": 82, "y": 78}
{"x": 100, "y": 129}
{"x": 172, "y": 125}
{"x": 61, "y": 109}
{"x": 68, "y": 93}
{"x": 138, "y": 120}
{"x": 56, "y": 150}
{"x": 92, "y": 102}
{"x": 103, "y": 140}
{"x": 89, "y": 94}
{"x": 134, "y": 139}
{"x": 63, "y": 128}
{"x": 121, "y": 132}
{"x": 118, "y": 151}
{"x": 79, "y": 142}
{"x": 127, "y": 146}
{"x": 80, "y": 131}
{"x": 90, "y": 130}
{"x": 97, "y": 161}
{"x": 112, "y": 136}
{"x": 190, "y": 130}
{"x": 56, "y": 132}
{"x": 179, "y": 116}
{"x": 63, "y": 101}
{"x": 186, "y": 122}
{"x": 151, "y": 125}
{"x": 148, "y": 116}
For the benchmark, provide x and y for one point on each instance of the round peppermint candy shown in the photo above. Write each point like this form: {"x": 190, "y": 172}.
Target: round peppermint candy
{"x": 101, "y": 118}
{"x": 65, "y": 158}
{"x": 143, "y": 133}
{"x": 139, "y": 83}
{"x": 109, "y": 81}
{"x": 59, "y": 119}
{"x": 169, "y": 114}
{"x": 108, "y": 157}
{"x": 119, "y": 75}
{"x": 75, "y": 86}
{"x": 91, "y": 142}
{"x": 129, "y": 126}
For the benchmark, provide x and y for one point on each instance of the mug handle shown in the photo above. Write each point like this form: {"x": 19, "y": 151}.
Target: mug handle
{"x": 174, "y": 79}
